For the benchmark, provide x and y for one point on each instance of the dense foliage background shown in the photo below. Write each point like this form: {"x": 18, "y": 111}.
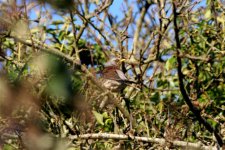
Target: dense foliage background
{"x": 51, "y": 94}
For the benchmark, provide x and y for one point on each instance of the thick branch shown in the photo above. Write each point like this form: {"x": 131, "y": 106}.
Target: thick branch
{"x": 194, "y": 110}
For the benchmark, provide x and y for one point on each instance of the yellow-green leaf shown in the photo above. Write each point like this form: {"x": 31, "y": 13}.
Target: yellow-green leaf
{"x": 99, "y": 117}
{"x": 208, "y": 14}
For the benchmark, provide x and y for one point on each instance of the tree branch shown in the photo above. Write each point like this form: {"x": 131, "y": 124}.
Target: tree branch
{"x": 139, "y": 25}
{"x": 161, "y": 141}
{"x": 194, "y": 110}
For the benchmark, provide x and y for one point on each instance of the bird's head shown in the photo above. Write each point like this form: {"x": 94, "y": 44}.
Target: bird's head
{"x": 112, "y": 70}
{"x": 113, "y": 62}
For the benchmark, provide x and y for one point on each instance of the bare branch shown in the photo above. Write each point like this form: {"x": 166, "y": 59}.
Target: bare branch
{"x": 139, "y": 25}
{"x": 107, "y": 136}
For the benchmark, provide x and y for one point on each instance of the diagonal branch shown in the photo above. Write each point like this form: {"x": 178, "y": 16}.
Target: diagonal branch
{"x": 194, "y": 110}
{"x": 138, "y": 28}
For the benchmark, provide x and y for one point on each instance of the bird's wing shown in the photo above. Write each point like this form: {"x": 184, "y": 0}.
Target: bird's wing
{"x": 121, "y": 75}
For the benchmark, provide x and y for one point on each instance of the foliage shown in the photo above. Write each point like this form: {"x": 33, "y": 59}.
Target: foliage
{"x": 51, "y": 54}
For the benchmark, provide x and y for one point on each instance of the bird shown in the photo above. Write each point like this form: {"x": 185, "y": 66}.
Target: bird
{"x": 112, "y": 77}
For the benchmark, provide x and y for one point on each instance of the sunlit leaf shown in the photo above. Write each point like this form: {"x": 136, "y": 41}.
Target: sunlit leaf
{"x": 170, "y": 63}
{"x": 99, "y": 117}
{"x": 208, "y": 14}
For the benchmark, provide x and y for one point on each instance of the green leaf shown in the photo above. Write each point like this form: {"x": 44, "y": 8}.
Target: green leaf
{"x": 170, "y": 63}
{"x": 185, "y": 71}
{"x": 208, "y": 14}
{"x": 99, "y": 117}
{"x": 161, "y": 107}
{"x": 105, "y": 115}
{"x": 108, "y": 121}
{"x": 61, "y": 35}
{"x": 213, "y": 122}
{"x": 8, "y": 147}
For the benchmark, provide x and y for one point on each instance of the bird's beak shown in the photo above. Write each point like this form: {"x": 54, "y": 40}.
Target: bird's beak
{"x": 122, "y": 60}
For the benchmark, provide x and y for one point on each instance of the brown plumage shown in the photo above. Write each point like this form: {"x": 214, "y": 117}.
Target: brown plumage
{"x": 113, "y": 78}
